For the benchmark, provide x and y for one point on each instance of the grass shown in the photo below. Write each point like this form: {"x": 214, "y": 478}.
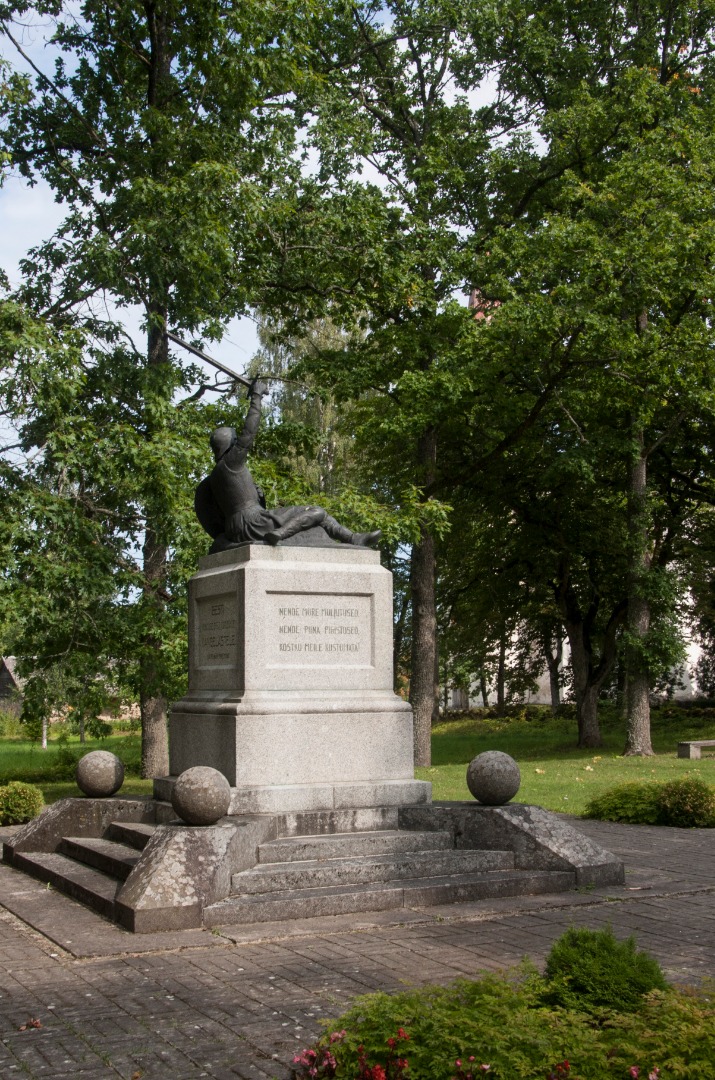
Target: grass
{"x": 554, "y": 774}
{"x": 52, "y": 769}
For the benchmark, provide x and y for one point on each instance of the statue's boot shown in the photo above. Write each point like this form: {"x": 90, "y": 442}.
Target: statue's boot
{"x": 308, "y": 519}
{"x": 339, "y": 532}
{"x": 371, "y": 539}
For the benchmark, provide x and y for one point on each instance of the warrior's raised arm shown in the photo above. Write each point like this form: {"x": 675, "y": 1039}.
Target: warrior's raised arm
{"x": 224, "y": 441}
{"x": 247, "y": 437}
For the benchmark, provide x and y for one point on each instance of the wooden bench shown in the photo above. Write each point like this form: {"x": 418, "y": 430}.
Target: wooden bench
{"x": 692, "y": 749}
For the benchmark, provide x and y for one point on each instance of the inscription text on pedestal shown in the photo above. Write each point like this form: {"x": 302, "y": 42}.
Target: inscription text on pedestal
{"x": 319, "y": 630}
{"x": 217, "y": 630}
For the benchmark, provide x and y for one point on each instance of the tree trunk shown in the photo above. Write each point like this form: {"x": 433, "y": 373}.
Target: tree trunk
{"x": 553, "y": 662}
{"x": 589, "y": 731}
{"x": 590, "y": 667}
{"x": 398, "y": 636}
{"x": 501, "y": 674}
{"x": 82, "y": 734}
{"x": 638, "y": 740}
{"x": 622, "y": 690}
{"x": 424, "y": 627}
{"x": 484, "y": 689}
{"x": 585, "y": 690}
{"x": 152, "y": 703}
{"x": 44, "y": 731}
{"x": 435, "y": 704}
{"x": 424, "y": 688}
{"x": 153, "y": 706}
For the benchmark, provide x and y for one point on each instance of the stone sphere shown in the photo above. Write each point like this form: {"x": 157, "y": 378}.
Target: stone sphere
{"x": 99, "y": 774}
{"x": 493, "y": 778}
{"x": 201, "y": 795}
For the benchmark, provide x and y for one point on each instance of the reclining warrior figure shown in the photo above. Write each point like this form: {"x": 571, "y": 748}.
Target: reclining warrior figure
{"x": 233, "y": 511}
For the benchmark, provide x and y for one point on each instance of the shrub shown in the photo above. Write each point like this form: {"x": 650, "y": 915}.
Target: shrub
{"x": 687, "y": 803}
{"x": 10, "y": 726}
{"x": 65, "y": 763}
{"x": 593, "y": 968}
{"x": 501, "y": 1028}
{"x": 19, "y": 803}
{"x": 634, "y": 803}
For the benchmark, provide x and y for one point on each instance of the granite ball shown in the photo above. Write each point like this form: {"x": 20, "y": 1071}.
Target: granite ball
{"x": 201, "y": 795}
{"x": 99, "y": 774}
{"x": 493, "y": 778}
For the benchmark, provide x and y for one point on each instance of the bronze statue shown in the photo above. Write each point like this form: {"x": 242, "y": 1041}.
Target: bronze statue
{"x": 233, "y": 511}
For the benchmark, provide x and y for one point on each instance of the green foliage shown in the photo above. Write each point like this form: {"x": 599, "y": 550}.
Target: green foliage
{"x": 591, "y": 968}
{"x": 10, "y": 726}
{"x": 19, "y": 803}
{"x": 505, "y": 1022}
{"x": 634, "y": 803}
{"x": 686, "y": 803}
{"x": 64, "y": 765}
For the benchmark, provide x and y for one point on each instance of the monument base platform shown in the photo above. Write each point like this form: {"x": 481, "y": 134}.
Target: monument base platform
{"x": 133, "y": 862}
{"x": 300, "y": 798}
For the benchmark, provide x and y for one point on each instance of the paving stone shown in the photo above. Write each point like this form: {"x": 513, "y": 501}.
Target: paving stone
{"x": 188, "y": 1005}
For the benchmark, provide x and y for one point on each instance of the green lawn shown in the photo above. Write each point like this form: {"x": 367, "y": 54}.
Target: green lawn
{"x": 53, "y": 769}
{"x": 554, "y": 774}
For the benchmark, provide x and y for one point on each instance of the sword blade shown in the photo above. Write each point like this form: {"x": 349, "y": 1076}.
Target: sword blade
{"x": 209, "y": 359}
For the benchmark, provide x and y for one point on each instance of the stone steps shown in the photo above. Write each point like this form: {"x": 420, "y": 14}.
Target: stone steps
{"x": 90, "y": 869}
{"x": 347, "y": 845}
{"x": 111, "y": 857}
{"x": 418, "y": 892}
{"x": 314, "y": 873}
{"x": 91, "y": 887}
{"x": 132, "y": 833}
{"x": 355, "y": 861}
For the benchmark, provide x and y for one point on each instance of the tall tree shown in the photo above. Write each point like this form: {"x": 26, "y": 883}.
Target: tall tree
{"x": 159, "y": 128}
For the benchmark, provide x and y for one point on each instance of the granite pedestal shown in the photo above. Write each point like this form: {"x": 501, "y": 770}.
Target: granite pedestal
{"x": 290, "y": 682}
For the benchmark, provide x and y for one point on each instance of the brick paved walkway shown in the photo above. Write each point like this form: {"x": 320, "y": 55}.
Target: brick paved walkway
{"x": 239, "y": 1003}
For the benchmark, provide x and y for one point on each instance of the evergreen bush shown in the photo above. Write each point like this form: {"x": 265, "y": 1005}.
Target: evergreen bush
{"x": 593, "y": 968}
{"x": 19, "y": 803}
{"x": 502, "y": 1028}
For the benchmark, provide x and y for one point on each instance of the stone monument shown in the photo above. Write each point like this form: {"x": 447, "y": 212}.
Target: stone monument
{"x": 290, "y": 653}
{"x": 290, "y": 681}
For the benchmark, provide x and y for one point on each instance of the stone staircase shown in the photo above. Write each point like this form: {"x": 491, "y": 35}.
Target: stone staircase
{"x": 320, "y": 863}
{"x": 304, "y": 876}
{"x": 90, "y": 869}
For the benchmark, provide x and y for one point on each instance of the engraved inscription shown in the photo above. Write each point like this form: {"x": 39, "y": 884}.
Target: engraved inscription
{"x": 334, "y": 630}
{"x": 217, "y": 630}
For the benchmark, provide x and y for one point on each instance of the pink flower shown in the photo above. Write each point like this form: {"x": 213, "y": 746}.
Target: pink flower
{"x": 634, "y": 1072}
{"x": 654, "y": 1074}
